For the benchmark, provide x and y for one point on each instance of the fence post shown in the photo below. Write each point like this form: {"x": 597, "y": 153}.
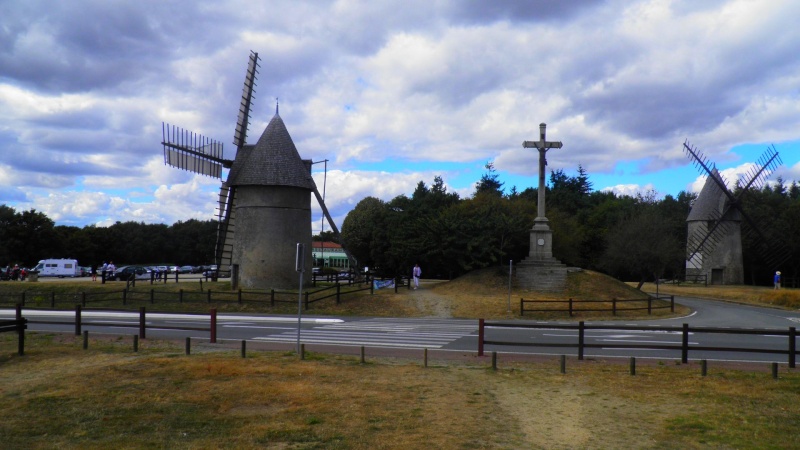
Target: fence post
{"x": 239, "y": 296}
{"x": 372, "y": 289}
{"x": 77, "y": 320}
{"x": 563, "y": 363}
{"x": 244, "y": 348}
{"x": 704, "y": 367}
{"x": 85, "y": 339}
{"x": 685, "y": 344}
{"x": 338, "y": 294}
{"x": 208, "y": 293}
{"x": 792, "y": 346}
{"x": 633, "y": 366}
{"x": 124, "y": 297}
{"x": 272, "y": 297}
{"x": 480, "y": 336}
{"x": 306, "y": 293}
{"x": 672, "y": 303}
{"x": 213, "y": 325}
{"x": 570, "y": 308}
{"x": 188, "y": 345}
{"x": 142, "y": 323}
{"x": 775, "y": 370}
{"x": 521, "y": 307}
{"x": 135, "y": 342}
{"x": 20, "y": 331}
{"x": 614, "y": 306}
{"x": 649, "y": 305}
{"x": 425, "y": 358}
{"x": 494, "y": 360}
{"x": 581, "y": 329}
{"x": 363, "y": 356}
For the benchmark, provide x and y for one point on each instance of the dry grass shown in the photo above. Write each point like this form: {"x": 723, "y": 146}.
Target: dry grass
{"x": 754, "y": 295}
{"x": 58, "y": 396}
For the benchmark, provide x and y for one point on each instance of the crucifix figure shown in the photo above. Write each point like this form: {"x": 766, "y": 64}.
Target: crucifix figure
{"x": 542, "y": 145}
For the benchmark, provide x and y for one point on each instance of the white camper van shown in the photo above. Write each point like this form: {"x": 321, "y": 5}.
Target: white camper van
{"x": 58, "y": 268}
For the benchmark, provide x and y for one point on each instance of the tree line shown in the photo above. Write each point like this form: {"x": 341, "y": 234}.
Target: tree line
{"x": 635, "y": 238}
{"x": 27, "y": 237}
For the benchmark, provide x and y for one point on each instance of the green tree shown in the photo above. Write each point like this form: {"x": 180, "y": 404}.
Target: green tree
{"x": 644, "y": 246}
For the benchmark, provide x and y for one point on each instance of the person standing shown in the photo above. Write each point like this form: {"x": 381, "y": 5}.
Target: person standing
{"x": 416, "y": 272}
{"x": 777, "y": 280}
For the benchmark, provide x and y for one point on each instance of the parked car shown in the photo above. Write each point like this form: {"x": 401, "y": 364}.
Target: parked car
{"x": 185, "y": 269}
{"x": 124, "y": 273}
{"x": 198, "y": 269}
{"x": 210, "y": 271}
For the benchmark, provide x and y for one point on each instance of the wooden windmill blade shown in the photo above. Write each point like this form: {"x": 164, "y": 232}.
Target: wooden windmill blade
{"x": 240, "y": 132}
{"x": 226, "y": 220}
{"x": 193, "y": 152}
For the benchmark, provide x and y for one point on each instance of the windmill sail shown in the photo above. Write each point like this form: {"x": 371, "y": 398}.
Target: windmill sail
{"x": 240, "y": 133}
{"x": 226, "y": 220}
{"x": 223, "y": 250}
{"x": 191, "y": 151}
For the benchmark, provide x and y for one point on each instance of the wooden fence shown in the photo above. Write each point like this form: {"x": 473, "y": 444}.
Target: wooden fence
{"x": 19, "y": 324}
{"x": 152, "y": 296}
{"x": 78, "y": 322}
{"x": 613, "y": 308}
{"x": 685, "y": 330}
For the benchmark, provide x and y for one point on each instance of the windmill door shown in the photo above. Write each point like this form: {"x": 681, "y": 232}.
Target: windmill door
{"x": 716, "y": 276}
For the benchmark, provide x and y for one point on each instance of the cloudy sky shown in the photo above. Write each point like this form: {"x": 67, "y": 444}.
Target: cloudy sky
{"x": 389, "y": 92}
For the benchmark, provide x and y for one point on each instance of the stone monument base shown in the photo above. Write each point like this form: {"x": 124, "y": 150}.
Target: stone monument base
{"x": 544, "y": 275}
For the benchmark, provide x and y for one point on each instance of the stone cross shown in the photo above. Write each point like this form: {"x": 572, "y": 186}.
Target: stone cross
{"x": 542, "y": 145}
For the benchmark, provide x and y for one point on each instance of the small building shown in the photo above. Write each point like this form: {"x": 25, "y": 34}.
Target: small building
{"x": 329, "y": 254}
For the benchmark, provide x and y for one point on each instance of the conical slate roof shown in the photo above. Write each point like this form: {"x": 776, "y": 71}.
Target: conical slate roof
{"x": 711, "y": 202}
{"x": 273, "y": 161}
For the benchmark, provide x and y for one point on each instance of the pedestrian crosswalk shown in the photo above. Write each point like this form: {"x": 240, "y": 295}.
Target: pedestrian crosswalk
{"x": 383, "y": 332}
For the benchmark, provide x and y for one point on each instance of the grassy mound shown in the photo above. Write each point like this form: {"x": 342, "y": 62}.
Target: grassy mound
{"x": 586, "y": 284}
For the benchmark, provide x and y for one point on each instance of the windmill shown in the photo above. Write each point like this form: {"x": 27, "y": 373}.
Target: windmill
{"x": 267, "y": 183}
{"x": 714, "y": 241}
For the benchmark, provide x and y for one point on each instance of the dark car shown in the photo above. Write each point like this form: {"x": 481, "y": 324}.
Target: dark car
{"x": 125, "y": 273}
{"x": 185, "y": 269}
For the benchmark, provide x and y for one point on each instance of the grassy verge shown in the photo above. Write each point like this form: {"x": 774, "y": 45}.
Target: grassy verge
{"x": 60, "y": 396}
{"x": 754, "y": 295}
{"x": 481, "y": 294}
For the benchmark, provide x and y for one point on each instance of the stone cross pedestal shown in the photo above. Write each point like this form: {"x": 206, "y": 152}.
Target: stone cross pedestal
{"x": 541, "y": 235}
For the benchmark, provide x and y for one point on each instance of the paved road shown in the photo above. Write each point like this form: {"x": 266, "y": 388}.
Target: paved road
{"x": 460, "y": 334}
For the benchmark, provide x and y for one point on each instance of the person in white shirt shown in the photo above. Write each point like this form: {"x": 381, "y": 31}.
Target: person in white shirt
{"x": 417, "y": 272}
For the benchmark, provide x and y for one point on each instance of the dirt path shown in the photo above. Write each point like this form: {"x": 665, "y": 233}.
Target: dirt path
{"x": 430, "y": 303}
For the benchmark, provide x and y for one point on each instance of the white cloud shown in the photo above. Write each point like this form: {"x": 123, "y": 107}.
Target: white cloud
{"x": 630, "y": 190}
{"x": 380, "y": 89}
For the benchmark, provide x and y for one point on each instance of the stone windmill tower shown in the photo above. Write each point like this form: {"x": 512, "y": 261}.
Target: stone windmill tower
{"x": 265, "y": 203}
